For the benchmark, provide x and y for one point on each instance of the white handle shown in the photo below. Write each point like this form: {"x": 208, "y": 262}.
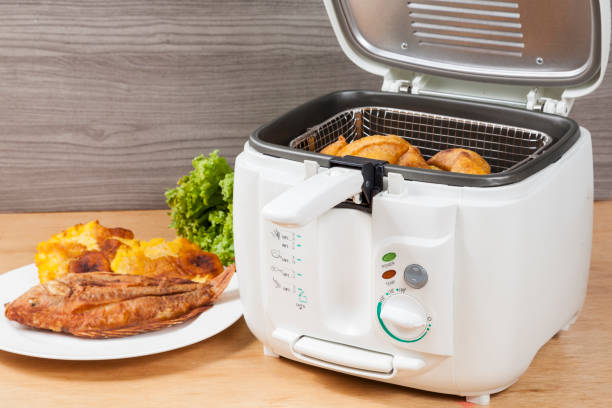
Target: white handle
{"x": 306, "y": 201}
{"x": 344, "y": 355}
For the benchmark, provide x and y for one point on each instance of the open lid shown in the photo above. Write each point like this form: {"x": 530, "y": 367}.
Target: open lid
{"x": 520, "y": 52}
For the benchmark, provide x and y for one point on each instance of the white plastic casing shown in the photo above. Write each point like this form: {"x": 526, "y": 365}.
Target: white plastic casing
{"x": 507, "y": 269}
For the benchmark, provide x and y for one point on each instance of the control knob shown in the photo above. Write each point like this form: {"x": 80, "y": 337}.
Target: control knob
{"x": 404, "y": 317}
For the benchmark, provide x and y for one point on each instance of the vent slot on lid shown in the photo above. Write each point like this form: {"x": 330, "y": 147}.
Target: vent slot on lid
{"x": 512, "y": 42}
{"x": 468, "y": 25}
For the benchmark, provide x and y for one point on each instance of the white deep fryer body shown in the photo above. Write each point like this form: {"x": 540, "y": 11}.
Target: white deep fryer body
{"x": 507, "y": 269}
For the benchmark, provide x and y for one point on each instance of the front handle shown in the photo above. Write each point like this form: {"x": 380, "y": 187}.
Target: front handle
{"x": 311, "y": 198}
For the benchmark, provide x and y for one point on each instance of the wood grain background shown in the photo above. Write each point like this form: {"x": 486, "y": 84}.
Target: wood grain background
{"x": 104, "y": 103}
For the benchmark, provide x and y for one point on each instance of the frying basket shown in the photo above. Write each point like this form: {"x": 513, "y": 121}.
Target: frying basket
{"x": 504, "y": 147}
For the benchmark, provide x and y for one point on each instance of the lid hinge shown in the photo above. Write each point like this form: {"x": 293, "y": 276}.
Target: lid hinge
{"x": 537, "y": 102}
{"x": 534, "y": 100}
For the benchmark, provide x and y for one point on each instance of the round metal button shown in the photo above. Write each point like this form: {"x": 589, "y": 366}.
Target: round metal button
{"x": 415, "y": 276}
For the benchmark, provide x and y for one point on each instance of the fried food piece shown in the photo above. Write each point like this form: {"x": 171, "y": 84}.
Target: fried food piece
{"x": 333, "y": 148}
{"x": 460, "y": 161}
{"x": 388, "y": 148}
{"x": 104, "y": 305}
{"x": 59, "y": 255}
{"x": 91, "y": 247}
{"x": 412, "y": 158}
{"x": 157, "y": 257}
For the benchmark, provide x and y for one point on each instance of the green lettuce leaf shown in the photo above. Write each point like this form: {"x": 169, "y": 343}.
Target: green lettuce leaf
{"x": 201, "y": 206}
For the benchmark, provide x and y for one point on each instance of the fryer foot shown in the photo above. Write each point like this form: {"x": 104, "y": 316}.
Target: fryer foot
{"x": 567, "y": 326}
{"x": 479, "y": 399}
{"x": 268, "y": 352}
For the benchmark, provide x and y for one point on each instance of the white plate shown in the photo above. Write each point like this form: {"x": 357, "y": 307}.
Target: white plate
{"x": 19, "y": 339}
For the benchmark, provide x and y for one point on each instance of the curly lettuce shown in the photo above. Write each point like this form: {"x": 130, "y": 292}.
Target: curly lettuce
{"x": 201, "y": 206}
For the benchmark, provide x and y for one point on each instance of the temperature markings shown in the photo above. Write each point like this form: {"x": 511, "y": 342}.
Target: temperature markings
{"x": 285, "y": 273}
{"x": 302, "y": 298}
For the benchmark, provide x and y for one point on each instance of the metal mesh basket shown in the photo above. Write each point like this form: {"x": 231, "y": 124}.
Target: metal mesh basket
{"x": 504, "y": 147}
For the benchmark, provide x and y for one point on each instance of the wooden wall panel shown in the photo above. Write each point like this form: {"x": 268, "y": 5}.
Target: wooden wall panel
{"x": 104, "y": 103}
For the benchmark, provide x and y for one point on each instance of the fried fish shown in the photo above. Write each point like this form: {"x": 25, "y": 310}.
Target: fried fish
{"x": 105, "y": 305}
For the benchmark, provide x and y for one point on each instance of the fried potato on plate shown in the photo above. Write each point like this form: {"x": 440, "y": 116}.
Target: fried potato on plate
{"x": 92, "y": 247}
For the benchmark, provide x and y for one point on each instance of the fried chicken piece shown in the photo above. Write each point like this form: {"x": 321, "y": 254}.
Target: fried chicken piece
{"x": 460, "y": 161}
{"x": 91, "y": 247}
{"x": 333, "y": 148}
{"x": 104, "y": 304}
{"x": 412, "y": 158}
{"x": 388, "y": 148}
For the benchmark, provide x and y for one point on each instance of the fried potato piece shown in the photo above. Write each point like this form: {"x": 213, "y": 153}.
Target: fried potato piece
{"x": 412, "y": 158}
{"x": 93, "y": 248}
{"x": 378, "y": 147}
{"x": 333, "y": 148}
{"x": 157, "y": 257}
{"x": 54, "y": 256}
{"x": 460, "y": 161}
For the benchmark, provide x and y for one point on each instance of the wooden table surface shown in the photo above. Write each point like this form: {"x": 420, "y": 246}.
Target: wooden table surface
{"x": 574, "y": 369}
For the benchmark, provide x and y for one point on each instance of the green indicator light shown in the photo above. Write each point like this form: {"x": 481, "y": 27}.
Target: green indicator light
{"x": 389, "y": 256}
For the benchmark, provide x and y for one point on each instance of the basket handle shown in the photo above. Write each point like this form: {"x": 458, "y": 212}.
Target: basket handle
{"x": 314, "y": 196}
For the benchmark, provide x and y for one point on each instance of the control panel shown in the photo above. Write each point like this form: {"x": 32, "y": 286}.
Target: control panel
{"x": 413, "y": 293}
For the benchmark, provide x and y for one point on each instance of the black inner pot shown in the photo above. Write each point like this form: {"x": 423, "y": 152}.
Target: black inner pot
{"x": 274, "y": 138}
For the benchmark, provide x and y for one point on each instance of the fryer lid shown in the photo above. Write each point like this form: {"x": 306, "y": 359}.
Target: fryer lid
{"x": 512, "y": 42}
{"x": 274, "y": 138}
